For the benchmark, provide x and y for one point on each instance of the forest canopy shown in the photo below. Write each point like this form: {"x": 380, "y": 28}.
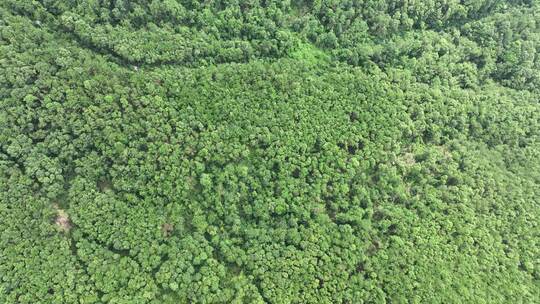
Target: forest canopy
{"x": 267, "y": 151}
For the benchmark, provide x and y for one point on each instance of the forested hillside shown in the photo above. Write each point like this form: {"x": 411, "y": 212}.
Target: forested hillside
{"x": 269, "y": 151}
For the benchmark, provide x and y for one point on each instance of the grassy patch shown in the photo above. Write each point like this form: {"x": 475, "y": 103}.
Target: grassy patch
{"x": 310, "y": 54}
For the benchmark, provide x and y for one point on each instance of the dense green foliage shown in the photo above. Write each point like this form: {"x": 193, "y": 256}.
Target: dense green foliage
{"x": 269, "y": 151}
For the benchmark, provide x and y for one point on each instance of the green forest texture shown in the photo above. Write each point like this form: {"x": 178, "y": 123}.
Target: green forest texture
{"x": 266, "y": 151}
